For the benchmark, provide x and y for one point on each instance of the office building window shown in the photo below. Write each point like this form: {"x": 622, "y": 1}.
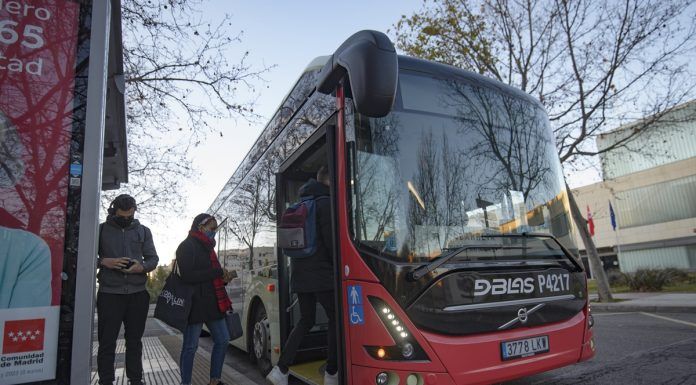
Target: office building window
{"x": 663, "y": 202}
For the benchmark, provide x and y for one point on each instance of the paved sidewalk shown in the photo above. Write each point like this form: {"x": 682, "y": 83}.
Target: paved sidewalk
{"x": 160, "y": 361}
{"x": 648, "y": 302}
{"x": 201, "y": 365}
{"x": 158, "y": 365}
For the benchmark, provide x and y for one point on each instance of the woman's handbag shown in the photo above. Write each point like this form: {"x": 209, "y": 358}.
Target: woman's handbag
{"x": 234, "y": 325}
{"x": 174, "y": 302}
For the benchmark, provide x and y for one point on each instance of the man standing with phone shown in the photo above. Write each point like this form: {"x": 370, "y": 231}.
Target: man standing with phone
{"x": 126, "y": 254}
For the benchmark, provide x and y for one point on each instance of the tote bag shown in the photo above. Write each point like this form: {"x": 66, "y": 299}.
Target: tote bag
{"x": 174, "y": 302}
{"x": 234, "y": 325}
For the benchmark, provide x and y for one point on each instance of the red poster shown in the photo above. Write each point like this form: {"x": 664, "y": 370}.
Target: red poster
{"x": 23, "y": 336}
{"x": 38, "y": 43}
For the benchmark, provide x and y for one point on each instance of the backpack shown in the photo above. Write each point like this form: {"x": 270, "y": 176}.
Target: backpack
{"x": 297, "y": 232}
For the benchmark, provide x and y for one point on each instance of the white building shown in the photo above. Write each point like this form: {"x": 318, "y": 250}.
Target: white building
{"x": 651, "y": 184}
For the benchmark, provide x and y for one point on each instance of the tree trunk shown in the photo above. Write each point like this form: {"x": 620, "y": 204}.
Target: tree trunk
{"x": 603, "y": 289}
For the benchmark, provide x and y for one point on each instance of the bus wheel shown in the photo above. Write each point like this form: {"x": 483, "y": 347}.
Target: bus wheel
{"x": 261, "y": 340}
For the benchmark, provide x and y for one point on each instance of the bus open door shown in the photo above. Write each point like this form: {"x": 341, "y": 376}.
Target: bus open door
{"x": 310, "y": 359}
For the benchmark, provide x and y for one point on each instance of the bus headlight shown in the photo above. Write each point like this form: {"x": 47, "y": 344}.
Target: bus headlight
{"x": 406, "y": 348}
{"x": 413, "y": 379}
{"x": 382, "y": 379}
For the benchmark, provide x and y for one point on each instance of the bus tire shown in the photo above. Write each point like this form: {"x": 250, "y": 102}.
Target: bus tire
{"x": 260, "y": 340}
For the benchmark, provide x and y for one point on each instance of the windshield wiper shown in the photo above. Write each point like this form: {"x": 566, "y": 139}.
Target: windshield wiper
{"x": 441, "y": 259}
{"x": 422, "y": 270}
{"x": 565, "y": 251}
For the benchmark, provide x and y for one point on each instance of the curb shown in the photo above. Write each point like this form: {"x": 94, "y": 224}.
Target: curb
{"x": 613, "y": 307}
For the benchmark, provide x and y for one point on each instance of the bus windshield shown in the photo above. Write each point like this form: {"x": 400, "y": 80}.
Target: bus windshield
{"x": 455, "y": 162}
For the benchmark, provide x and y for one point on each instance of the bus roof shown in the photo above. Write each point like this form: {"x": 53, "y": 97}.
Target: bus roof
{"x": 317, "y": 63}
{"x": 304, "y": 88}
{"x": 448, "y": 71}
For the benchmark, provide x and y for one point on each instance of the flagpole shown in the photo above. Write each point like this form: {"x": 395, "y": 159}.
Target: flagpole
{"x": 617, "y": 230}
{"x": 618, "y": 243}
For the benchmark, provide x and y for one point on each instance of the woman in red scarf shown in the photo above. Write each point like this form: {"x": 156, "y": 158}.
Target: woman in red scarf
{"x": 198, "y": 266}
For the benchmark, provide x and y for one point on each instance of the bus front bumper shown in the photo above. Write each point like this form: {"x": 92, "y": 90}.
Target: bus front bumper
{"x": 478, "y": 359}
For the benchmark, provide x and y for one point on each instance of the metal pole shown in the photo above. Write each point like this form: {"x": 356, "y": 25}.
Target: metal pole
{"x": 81, "y": 359}
{"x": 618, "y": 239}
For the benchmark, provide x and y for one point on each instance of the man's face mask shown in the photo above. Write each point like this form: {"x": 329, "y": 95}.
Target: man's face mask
{"x": 123, "y": 221}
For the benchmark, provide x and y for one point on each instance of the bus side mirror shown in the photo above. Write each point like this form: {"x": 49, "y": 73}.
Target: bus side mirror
{"x": 370, "y": 61}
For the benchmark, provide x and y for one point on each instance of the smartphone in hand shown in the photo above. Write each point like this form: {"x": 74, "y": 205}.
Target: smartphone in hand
{"x": 128, "y": 264}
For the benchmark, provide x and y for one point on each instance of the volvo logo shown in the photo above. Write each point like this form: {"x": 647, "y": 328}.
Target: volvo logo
{"x": 522, "y": 315}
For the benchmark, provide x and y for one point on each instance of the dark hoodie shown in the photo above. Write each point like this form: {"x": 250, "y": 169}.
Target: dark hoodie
{"x": 316, "y": 273}
{"x": 135, "y": 242}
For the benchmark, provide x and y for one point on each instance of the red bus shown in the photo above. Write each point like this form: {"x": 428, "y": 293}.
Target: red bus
{"x": 454, "y": 260}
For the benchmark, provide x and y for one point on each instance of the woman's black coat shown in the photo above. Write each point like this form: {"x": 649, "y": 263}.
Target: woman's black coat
{"x": 195, "y": 269}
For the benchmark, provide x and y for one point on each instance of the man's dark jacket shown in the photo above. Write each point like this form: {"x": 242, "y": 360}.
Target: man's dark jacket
{"x": 316, "y": 273}
{"x": 195, "y": 268}
{"x": 135, "y": 242}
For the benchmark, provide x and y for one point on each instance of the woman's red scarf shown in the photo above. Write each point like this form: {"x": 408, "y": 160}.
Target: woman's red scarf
{"x": 223, "y": 301}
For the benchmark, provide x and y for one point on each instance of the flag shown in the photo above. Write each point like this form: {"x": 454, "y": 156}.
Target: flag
{"x": 590, "y": 222}
{"x": 612, "y": 216}
{"x": 21, "y": 336}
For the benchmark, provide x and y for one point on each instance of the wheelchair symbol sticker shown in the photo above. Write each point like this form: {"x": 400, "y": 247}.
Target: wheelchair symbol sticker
{"x": 357, "y": 316}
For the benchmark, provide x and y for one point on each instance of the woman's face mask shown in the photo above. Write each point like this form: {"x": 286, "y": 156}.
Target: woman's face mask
{"x": 209, "y": 229}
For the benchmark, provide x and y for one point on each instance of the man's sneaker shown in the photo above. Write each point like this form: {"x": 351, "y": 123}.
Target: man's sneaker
{"x": 276, "y": 377}
{"x": 330, "y": 379}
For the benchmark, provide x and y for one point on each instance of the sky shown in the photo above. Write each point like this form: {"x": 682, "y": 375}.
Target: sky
{"x": 287, "y": 35}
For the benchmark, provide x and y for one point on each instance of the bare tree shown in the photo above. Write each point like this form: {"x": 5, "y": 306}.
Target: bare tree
{"x": 438, "y": 180}
{"x": 377, "y": 192}
{"x": 182, "y": 72}
{"x": 249, "y": 205}
{"x": 510, "y": 137}
{"x": 590, "y": 63}
{"x": 375, "y": 210}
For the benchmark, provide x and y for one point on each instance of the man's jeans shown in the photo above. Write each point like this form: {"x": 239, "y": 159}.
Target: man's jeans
{"x": 112, "y": 310}
{"x": 221, "y": 338}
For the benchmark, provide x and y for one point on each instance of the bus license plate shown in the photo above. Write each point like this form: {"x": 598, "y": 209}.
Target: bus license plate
{"x": 524, "y": 348}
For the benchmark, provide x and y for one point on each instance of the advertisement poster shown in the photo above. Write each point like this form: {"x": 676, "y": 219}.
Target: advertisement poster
{"x": 38, "y": 43}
